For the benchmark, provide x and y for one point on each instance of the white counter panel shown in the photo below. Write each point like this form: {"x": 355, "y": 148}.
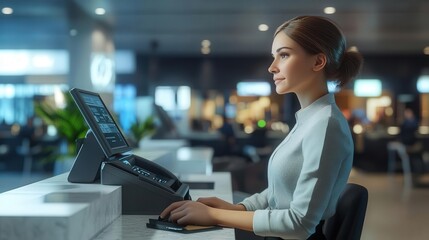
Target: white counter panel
{"x": 56, "y": 209}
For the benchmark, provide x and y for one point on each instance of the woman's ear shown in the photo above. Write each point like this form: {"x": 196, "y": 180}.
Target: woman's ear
{"x": 320, "y": 62}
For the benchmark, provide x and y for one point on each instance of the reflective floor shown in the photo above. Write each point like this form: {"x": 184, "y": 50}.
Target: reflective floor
{"x": 394, "y": 212}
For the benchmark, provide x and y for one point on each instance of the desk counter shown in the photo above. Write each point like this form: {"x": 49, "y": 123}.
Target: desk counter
{"x": 182, "y": 160}
{"x": 129, "y": 227}
{"x": 56, "y": 209}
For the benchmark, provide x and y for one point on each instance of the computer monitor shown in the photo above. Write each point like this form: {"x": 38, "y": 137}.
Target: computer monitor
{"x": 105, "y": 129}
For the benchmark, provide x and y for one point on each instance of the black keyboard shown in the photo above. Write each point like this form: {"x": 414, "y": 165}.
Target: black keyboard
{"x": 129, "y": 160}
{"x": 140, "y": 171}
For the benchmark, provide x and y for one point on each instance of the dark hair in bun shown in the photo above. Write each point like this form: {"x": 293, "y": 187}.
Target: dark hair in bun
{"x": 320, "y": 35}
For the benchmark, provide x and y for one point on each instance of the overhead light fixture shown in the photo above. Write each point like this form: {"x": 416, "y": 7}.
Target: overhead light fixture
{"x": 353, "y": 49}
{"x": 263, "y": 27}
{"x": 7, "y": 10}
{"x": 100, "y": 11}
{"x": 426, "y": 50}
{"x": 205, "y": 43}
{"x": 329, "y": 10}
{"x": 205, "y": 50}
{"x": 205, "y": 46}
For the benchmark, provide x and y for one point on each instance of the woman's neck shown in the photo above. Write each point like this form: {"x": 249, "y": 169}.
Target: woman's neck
{"x": 308, "y": 97}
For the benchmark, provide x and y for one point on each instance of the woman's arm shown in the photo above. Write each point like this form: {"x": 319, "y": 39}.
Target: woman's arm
{"x": 197, "y": 213}
{"x": 215, "y": 202}
{"x": 234, "y": 219}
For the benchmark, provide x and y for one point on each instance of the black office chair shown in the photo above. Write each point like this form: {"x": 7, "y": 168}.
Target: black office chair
{"x": 348, "y": 220}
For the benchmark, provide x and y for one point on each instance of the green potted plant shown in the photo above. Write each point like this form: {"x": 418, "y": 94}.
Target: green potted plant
{"x": 140, "y": 129}
{"x": 68, "y": 121}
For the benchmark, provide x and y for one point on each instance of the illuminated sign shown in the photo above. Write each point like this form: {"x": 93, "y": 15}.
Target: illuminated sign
{"x": 253, "y": 89}
{"x": 367, "y": 88}
{"x": 102, "y": 71}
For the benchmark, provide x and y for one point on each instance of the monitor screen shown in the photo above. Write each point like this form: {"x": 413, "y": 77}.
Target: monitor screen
{"x": 253, "y": 89}
{"x": 100, "y": 121}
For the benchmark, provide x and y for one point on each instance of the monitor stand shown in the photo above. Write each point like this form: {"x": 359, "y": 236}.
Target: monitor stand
{"x": 86, "y": 167}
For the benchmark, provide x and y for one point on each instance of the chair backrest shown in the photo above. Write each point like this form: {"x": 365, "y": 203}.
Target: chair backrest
{"x": 347, "y": 223}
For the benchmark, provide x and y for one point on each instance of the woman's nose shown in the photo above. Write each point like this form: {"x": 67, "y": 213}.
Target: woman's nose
{"x": 272, "y": 68}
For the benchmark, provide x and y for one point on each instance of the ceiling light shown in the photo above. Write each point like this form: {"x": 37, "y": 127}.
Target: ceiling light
{"x": 263, "y": 27}
{"x": 7, "y": 10}
{"x": 329, "y": 10}
{"x": 100, "y": 11}
{"x": 353, "y": 49}
{"x": 205, "y": 43}
{"x": 205, "y": 50}
{"x": 426, "y": 50}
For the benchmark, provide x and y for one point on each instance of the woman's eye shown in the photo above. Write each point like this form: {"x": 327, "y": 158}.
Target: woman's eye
{"x": 284, "y": 55}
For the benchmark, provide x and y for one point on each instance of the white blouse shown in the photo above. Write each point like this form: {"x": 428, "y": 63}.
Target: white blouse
{"x": 306, "y": 173}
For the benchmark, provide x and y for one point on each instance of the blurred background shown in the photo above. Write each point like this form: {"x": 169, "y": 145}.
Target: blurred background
{"x": 196, "y": 71}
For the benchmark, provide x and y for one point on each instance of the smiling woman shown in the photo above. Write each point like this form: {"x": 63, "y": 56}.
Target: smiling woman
{"x": 309, "y": 169}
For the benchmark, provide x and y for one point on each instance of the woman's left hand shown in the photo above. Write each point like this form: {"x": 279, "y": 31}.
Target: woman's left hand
{"x": 190, "y": 212}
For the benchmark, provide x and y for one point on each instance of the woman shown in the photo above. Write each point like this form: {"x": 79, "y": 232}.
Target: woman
{"x": 309, "y": 169}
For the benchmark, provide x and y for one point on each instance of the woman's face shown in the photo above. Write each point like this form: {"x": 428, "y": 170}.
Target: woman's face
{"x": 292, "y": 67}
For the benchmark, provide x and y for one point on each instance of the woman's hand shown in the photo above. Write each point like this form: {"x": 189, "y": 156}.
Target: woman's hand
{"x": 197, "y": 213}
{"x": 219, "y": 203}
{"x": 190, "y": 212}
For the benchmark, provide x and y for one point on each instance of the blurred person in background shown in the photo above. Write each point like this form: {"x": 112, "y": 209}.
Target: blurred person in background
{"x": 409, "y": 128}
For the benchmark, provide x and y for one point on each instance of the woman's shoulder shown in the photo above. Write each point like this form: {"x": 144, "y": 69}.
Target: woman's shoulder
{"x": 328, "y": 117}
